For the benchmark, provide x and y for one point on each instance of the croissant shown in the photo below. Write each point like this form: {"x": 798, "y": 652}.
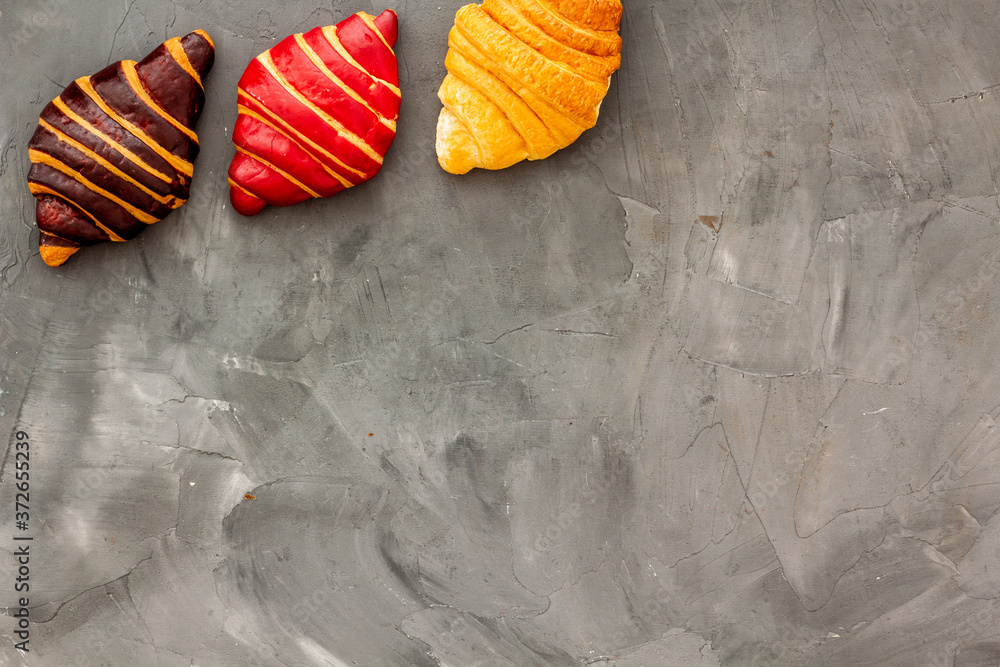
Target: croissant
{"x": 317, "y": 113}
{"x": 115, "y": 151}
{"x": 525, "y": 78}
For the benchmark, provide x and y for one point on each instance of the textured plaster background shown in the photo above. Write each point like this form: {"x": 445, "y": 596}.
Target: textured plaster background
{"x": 716, "y": 385}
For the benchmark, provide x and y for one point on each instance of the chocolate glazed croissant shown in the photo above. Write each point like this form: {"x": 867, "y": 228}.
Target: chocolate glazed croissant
{"x": 115, "y": 151}
{"x": 525, "y": 78}
{"x": 317, "y": 113}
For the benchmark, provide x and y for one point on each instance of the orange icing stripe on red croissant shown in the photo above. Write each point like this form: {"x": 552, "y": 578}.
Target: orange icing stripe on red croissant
{"x": 298, "y": 141}
{"x": 284, "y": 174}
{"x": 320, "y": 113}
{"x": 321, "y": 66}
{"x": 335, "y": 124}
{"x": 269, "y": 117}
{"x": 330, "y": 32}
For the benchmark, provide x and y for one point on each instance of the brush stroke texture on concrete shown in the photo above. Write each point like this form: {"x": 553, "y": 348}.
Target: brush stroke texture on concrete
{"x": 716, "y": 385}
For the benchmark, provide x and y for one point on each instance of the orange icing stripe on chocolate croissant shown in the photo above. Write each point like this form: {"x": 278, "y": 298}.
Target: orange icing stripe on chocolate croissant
{"x": 177, "y": 52}
{"x": 183, "y": 166}
{"x": 169, "y": 200}
{"x": 135, "y": 159}
{"x": 114, "y": 152}
{"x": 128, "y": 67}
{"x": 38, "y": 157}
{"x": 37, "y": 189}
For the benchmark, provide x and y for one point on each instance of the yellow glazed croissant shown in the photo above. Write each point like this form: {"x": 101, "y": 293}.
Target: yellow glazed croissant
{"x": 525, "y": 78}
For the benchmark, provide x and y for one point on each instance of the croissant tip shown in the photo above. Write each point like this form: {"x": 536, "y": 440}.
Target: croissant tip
{"x": 55, "y": 255}
{"x": 388, "y": 24}
{"x": 245, "y": 203}
{"x": 199, "y": 50}
{"x": 204, "y": 35}
{"x": 456, "y": 149}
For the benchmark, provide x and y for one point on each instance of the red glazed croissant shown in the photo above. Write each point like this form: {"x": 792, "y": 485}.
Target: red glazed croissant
{"x": 317, "y": 113}
{"x": 115, "y": 151}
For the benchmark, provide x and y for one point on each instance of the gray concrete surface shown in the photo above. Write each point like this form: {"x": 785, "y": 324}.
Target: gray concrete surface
{"x": 717, "y": 385}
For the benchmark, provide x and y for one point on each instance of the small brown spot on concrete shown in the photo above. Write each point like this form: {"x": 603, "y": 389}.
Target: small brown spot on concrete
{"x": 713, "y": 222}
